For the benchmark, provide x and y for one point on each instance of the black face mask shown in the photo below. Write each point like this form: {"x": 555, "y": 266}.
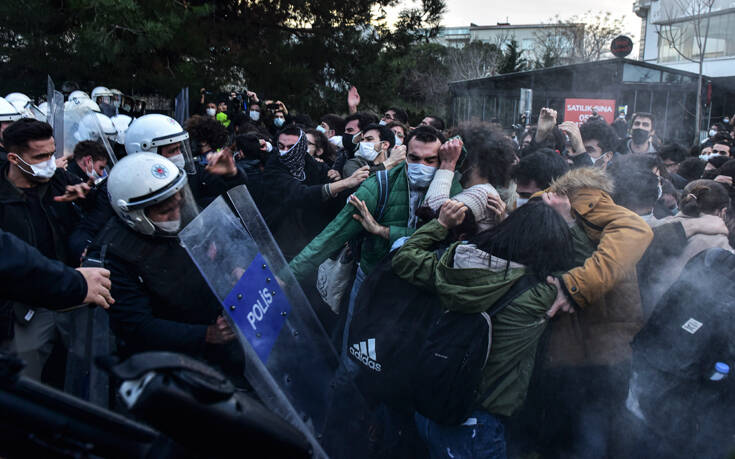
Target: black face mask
{"x": 640, "y": 136}
{"x": 347, "y": 143}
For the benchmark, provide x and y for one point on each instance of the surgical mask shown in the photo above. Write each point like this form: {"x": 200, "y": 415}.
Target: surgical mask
{"x": 336, "y": 140}
{"x": 674, "y": 210}
{"x": 367, "y": 151}
{"x": 178, "y": 160}
{"x": 726, "y": 120}
{"x": 712, "y": 132}
{"x": 95, "y": 176}
{"x": 278, "y": 122}
{"x": 599, "y": 161}
{"x": 321, "y": 129}
{"x": 640, "y": 136}
{"x": 399, "y": 141}
{"x": 169, "y": 227}
{"x": 211, "y": 111}
{"x": 254, "y": 115}
{"x": 44, "y": 170}
{"x": 382, "y": 122}
{"x": 521, "y": 201}
{"x": 283, "y": 152}
{"x": 420, "y": 175}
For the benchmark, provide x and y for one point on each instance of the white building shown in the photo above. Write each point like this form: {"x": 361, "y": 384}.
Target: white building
{"x": 661, "y": 18}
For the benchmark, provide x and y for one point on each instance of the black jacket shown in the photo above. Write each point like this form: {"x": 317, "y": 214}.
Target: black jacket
{"x": 296, "y": 211}
{"x": 27, "y": 276}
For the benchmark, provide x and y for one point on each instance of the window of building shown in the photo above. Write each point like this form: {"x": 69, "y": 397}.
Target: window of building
{"x": 686, "y": 41}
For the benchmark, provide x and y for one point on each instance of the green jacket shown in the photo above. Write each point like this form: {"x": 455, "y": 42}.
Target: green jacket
{"x": 345, "y": 228}
{"x": 516, "y": 330}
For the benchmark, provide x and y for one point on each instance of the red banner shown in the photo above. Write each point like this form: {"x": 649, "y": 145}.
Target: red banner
{"x": 579, "y": 110}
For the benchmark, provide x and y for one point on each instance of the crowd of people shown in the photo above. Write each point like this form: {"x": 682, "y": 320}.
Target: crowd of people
{"x": 568, "y": 238}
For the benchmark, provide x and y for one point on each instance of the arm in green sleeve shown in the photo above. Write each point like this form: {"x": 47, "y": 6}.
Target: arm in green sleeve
{"x": 415, "y": 262}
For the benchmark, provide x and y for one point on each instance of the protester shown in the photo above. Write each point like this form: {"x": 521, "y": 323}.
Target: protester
{"x": 535, "y": 172}
{"x": 89, "y": 162}
{"x": 642, "y": 130}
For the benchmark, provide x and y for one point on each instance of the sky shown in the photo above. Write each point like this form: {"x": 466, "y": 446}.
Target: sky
{"x": 490, "y": 12}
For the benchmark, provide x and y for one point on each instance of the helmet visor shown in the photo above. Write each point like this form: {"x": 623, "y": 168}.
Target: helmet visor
{"x": 173, "y": 213}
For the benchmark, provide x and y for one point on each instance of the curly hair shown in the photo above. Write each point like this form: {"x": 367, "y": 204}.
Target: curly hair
{"x": 489, "y": 152}
{"x": 594, "y": 129}
{"x": 207, "y": 130}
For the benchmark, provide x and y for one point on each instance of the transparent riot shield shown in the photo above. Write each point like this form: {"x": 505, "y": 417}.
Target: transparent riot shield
{"x": 89, "y": 332}
{"x": 81, "y": 123}
{"x": 290, "y": 360}
{"x": 55, "y": 116}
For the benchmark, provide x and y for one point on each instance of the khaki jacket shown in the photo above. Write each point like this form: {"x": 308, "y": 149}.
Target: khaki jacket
{"x": 605, "y": 286}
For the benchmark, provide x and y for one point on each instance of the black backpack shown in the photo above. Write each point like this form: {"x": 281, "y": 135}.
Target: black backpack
{"x": 412, "y": 354}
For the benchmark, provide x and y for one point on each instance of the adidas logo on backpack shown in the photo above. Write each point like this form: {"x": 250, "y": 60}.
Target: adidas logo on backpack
{"x": 365, "y": 353}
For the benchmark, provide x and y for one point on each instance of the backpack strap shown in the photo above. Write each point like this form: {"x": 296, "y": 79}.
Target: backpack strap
{"x": 383, "y": 192}
{"x": 523, "y": 283}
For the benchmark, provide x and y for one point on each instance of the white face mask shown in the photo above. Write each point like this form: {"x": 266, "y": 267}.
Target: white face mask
{"x": 178, "y": 160}
{"x": 382, "y": 122}
{"x": 712, "y": 133}
{"x": 321, "y": 129}
{"x": 169, "y": 227}
{"x": 279, "y": 122}
{"x": 336, "y": 140}
{"x": 419, "y": 175}
{"x": 254, "y": 115}
{"x": 399, "y": 141}
{"x": 211, "y": 111}
{"x": 45, "y": 170}
{"x": 283, "y": 152}
{"x": 368, "y": 151}
{"x": 521, "y": 201}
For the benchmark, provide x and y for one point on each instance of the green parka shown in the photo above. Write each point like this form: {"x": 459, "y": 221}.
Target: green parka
{"x": 516, "y": 330}
{"x": 345, "y": 228}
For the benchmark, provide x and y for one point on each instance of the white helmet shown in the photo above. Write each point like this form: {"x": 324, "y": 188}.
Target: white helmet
{"x": 149, "y": 132}
{"x": 44, "y": 108}
{"x": 89, "y": 129}
{"x": 121, "y": 123}
{"x": 18, "y": 99}
{"x": 78, "y": 95}
{"x": 81, "y": 103}
{"x": 144, "y": 180}
{"x": 101, "y": 91}
{"x": 8, "y": 112}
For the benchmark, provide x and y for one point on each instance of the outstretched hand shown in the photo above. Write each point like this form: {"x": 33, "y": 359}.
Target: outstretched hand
{"x": 367, "y": 220}
{"x": 221, "y": 163}
{"x": 74, "y": 192}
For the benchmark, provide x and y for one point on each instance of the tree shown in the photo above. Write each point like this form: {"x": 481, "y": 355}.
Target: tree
{"x": 305, "y": 53}
{"x": 692, "y": 33}
{"x": 512, "y": 60}
{"x": 555, "y": 45}
{"x": 475, "y": 60}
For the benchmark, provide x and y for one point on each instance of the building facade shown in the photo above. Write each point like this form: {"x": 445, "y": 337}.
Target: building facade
{"x": 671, "y": 33}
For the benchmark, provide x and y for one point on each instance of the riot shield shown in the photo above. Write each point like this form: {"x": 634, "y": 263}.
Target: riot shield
{"x": 290, "y": 360}
{"x": 55, "y": 116}
{"x": 83, "y": 123}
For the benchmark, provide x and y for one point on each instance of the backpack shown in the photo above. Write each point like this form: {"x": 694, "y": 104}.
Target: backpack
{"x": 412, "y": 354}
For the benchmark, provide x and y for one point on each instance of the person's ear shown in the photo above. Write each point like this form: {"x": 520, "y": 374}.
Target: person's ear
{"x": 13, "y": 158}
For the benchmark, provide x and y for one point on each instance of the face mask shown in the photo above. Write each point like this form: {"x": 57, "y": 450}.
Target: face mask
{"x": 382, "y": 122}
{"x": 178, "y": 160}
{"x": 336, "y": 140}
{"x": 43, "y": 170}
{"x": 268, "y": 147}
{"x": 640, "y": 136}
{"x": 95, "y": 176}
{"x": 399, "y": 141}
{"x": 278, "y": 122}
{"x": 521, "y": 201}
{"x": 283, "y": 152}
{"x": 660, "y": 192}
{"x": 726, "y": 120}
{"x": 169, "y": 227}
{"x": 255, "y": 116}
{"x": 211, "y": 111}
{"x": 321, "y": 129}
{"x": 599, "y": 161}
{"x": 367, "y": 151}
{"x": 420, "y": 175}
{"x": 674, "y": 210}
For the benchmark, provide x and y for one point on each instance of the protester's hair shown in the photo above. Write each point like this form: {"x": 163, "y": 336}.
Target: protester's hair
{"x": 17, "y": 135}
{"x": 303, "y": 120}
{"x": 691, "y": 169}
{"x": 401, "y": 114}
{"x": 467, "y": 228}
{"x": 534, "y": 235}
{"x": 323, "y": 143}
{"x": 722, "y": 139}
{"x": 393, "y": 124}
{"x": 703, "y": 197}
{"x": 335, "y": 122}
{"x": 364, "y": 119}
{"x": 289, "y": 130}
{"x": 673, "y": 152}
{"x": 726, "y": 168}
{"x": 436, "y": 122}
{"x": 209, "y": 130}
{"x": 426, "y": 134}
{"x": 249, "y": 145}
{"x": 644, "y": 115}
{"x": 636, "y": 185}
{"x": 490, "y": 152}
{"x": 596, "y": 129}
{"x": 385, "y": 134}
{"x": 89, "y": 148}
{"x": 542, "y": 166}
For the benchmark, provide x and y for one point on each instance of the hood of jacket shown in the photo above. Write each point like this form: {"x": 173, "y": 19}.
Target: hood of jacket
{"x": 582, "y": 178}
{"x": 466, "y": 281}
